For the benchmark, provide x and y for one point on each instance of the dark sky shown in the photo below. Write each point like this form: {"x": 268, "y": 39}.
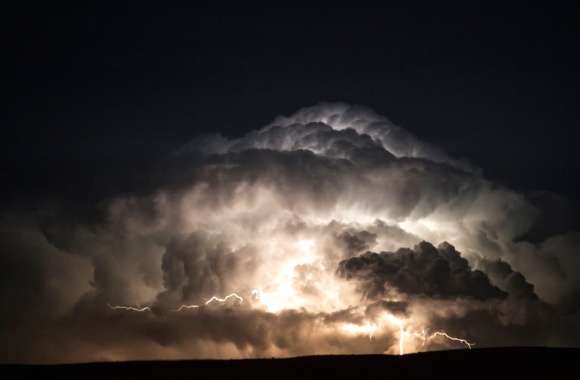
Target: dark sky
{"x": 95, "y": 95}
{"x": 96, "y": 210}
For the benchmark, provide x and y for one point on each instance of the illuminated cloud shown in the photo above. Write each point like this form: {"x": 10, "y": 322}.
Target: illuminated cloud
{"x": 340, "y": 231}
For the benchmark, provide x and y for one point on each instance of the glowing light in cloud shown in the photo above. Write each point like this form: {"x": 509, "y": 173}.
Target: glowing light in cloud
{"x": 366, "y": 328}
{"x": 305, "y": 246}
{"x": 404, "y": 332}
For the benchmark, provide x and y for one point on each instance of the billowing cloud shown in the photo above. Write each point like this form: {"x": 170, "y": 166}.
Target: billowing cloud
{"x": 424, "y": 270}
{"x": 340, "y": 231}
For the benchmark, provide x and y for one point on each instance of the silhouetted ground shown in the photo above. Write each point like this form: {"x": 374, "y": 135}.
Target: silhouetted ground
{"x": 517, "y": 363}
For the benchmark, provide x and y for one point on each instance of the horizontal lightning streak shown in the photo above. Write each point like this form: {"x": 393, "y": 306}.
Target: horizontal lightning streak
{"x": 130, "y": 308}
{"x": 222, "y": 300}
{"x": 184, "y": 307}
{"x": 368, "y": 328}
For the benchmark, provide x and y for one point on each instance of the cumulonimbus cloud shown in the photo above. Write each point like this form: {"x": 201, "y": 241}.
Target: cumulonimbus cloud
{"x": 332, "y": 224}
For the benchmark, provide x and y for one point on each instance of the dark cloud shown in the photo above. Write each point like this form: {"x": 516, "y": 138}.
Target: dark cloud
{"x": 200, "y": 266}
{"x": 38, "y": 280}
{"x": 424, "y": 270}
{"x": 502, "y": 275}
{"x": 354, "y": 242}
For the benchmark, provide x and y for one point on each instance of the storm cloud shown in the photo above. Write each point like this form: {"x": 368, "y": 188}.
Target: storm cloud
{"x": 424, "y": 270}
{"x": 332, "y": 224}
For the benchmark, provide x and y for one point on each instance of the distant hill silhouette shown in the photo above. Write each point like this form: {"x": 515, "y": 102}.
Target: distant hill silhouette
{"x": 517, "y": 363}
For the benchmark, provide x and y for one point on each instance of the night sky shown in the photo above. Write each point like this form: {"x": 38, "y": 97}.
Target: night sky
{"x": 96, "y": 92}
{"x": 219, "y": 182}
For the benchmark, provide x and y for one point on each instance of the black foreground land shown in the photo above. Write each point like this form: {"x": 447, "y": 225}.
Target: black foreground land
{"x": 518, "y": 363}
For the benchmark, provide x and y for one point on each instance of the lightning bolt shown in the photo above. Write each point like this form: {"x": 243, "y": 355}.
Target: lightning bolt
{"x": 402, "y": 335}
{"x": 130, "y": 308}
{"x": 447, "y": 336}
{"x": 185, "y": 307}
{"x": 182, "y": 307}
{"x": 404, "y": 332}
{"x": 211, "y": 300}
{"x": 223, "y": 300}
